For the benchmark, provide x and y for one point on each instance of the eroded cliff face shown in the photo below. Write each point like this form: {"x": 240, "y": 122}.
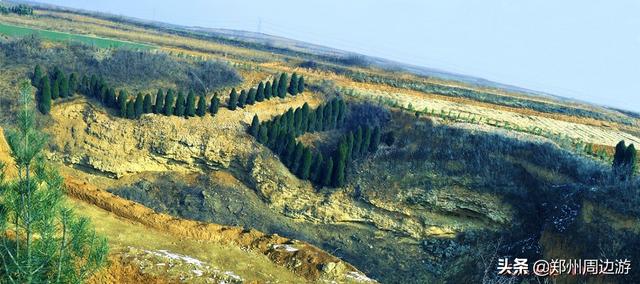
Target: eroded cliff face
{"x": 88, "y": 138}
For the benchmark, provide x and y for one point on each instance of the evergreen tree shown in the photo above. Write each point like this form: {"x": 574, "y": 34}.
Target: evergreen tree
{"x": 293, "y": 85}
{"x": 179, "y": 109}
{"x": 255, "y": 124}
{"x": 328, "y": 117}
{"x": 357, "y": 142}
{"x": 327, "y": 173}
{"x": 73, "y": 84}
{"x": 290, "y": 150}
{"x": 350, "y": 142}
{"x": 64, "y": 86}
{"x": 311, "y": 121}
{"x": 242, "y": 99}
{"x": 632, "y": 159}
{"x": 366, "y": 140}
{"x": 37, "y": 76}
{"x": 316, "y": 168}
{"x": 260, "y": 92}
{"x": 146, "y": 104}
{"x": 233, "y": 100}
{"x": 138, "y": 106}
{"x": 296, "y": 161}
{"x": 44, "y": 102}
{"x": 263, "y": 134}
{"x": 304, "y": 123}
{"x": 267, "y": 90}
{"x": 342, "y": 108}
{"x": 43, "y": 241}
{"x": 169, "y": 103}
{"x": 305, "y": 168}
{"x": 375, "y": 139}
{"x": 320, "y": 118}
{"x": 301, "y": 84}
{"x": 282, "y": 85}
{"x": 202, "y": 106}
{"x": 274, "y": 88}
{"x": 251, "y": 96}
{"x": 55, "y": 89}
{"x": 341, "y": 163}
{"x": 215, "y": 104}
{"x": 122, "y": 103}
{"x": 619, "y": 158}
{"x": 158, "y": 107}
{"x": 131, "y": 109}
{"x": 297, "y": 120}
{"x": 112, "y": 100}
{"x": 191, "y": 104}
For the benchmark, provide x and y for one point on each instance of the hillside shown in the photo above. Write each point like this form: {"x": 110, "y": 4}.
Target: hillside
{"x": 461, "y": 173}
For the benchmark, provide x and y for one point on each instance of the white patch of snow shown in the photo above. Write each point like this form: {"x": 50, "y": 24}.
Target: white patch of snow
{"x": 287, "y": 248}
{"x": 359, "y": 277}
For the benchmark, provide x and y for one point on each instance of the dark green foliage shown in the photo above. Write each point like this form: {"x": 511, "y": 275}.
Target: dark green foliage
{"x": 122, "y": 103}
{"x": 158, "y": 107}
{"x": 268, "y": 90}
{"x": 251, "y": 96}
{"x": 304, "y": 118}
{"x": 37, "y": 76}
{"x": 242, "y": 99}
{"x": 131, "y": 109}
{"x": 263, "y": 135}
{"x": 301, "y": 84}
{"x": 366, "y": 140}
{"x": 255, "y": 125}
{"x": 64, "y": 86}
{"x": 619, "y": 155}
{"x": 169, "y": 102}
{"x": 338, "y": 176}
{"x": 327, "y": 172}
{"x": 44, "y": 101}
{"x": 274, "y": 88}
{"x": 147, "y": 107}
{"x": 55, "y": 89}
{"x": 282, "y": 85}
{"x": 260, "y": 92}
{"x": 73, "y": 83}
{"x": 296, "y": 159}
{"x": 215, "y": 104}
{"x": 179, "y": 109}
{"x": 191, "y": 104}
{"x": 316, "y": 168}
{"x": 202, "y": 106}
{"x": 104, "y": 92}
{"x": 350, "y": 142}
{"x": 632, "y": 159}
{"x": 138, "y": 106}
{"x": 233, "y": 100}
{"x": 293, "y": 85}
{"x": 320, "y": 118}
{"x": 375, "y": 139}
{"x": 357, "y": 142}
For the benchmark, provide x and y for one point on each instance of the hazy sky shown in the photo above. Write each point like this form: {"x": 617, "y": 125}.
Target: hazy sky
{"x": 589, "y": 50}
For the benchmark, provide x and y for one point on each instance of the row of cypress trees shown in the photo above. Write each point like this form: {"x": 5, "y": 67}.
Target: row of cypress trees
{"x": 52, "y": 86}
{"x": 325, "y": 169}
{"x": 164, "y": 103}
{"x": 265, "y": 91}
{"x": 625, "y": 161}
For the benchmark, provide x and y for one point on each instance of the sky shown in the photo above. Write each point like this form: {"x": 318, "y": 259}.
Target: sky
{"x": 587, "y": 50}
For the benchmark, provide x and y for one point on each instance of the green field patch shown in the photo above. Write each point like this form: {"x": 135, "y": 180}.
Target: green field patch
{"x": 17, "y": 31}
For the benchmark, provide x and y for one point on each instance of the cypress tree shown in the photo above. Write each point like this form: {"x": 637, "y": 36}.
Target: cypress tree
{"x": 297, "y": 120}
{"x": 304, "y": 170}
{"x": 202, "y": 106}
{"x": 301, "y": 84}
{"x": 56, "y": 73}
{"x": 293, "y": 85}
{"x": 55, "y": 89}
{"x": 64, "y": 86}
{"x": 122, "y": 103}
{"x": 357, "y": 142}
{"x": 84, "y": 85}
{"x": 267, "y": 90}
{"x": 37, "y": 76}
{"x": 104, "y": 94}
{"x": 215, "y": 104}
{"x": 138, "y": 106}
{"x": 320, "y": 118}
{"x": 191, "y": 104}
{"x": 44, "y": 102}
{"x": 233, "y": 100}
{"x": 73, "y": 84}
{"x": 335, "y": 109}
{"x": 297, "y": 158}
{"x": 242, "y": 99}
{"x": 93, "y": 86}
{"x": 342, "y": 108}
{"x": 260, "y": 92}
{"x": 311, "y": 121}
{"x": 146, "y": 104}
{"x": 366, "y": 140}
{"x": 316, "y": 168}
{"x": 158, "y": 107}
{"x": 251, "y": 96}
{"x": 274, "y": 88}
{"x": 169, "y": 102}
{"x": 282, "y": 85}
{"x": 375, "y": 139}
{"x": 350, "y": 141}
{"x": 255, "y": 124}
{"x": 632, "y": 159}
{"x": 341, "y": 163}
{"x": 179, "y": 109}
{"x": 328, "y": 118}
{"x": 263, "y": 134}
{"x": 304, "y": 124}
{"x": 619, "y": 157}
{"x": 289, "y": 150}
{"x": 131, "y": 112}
{"x": 328, "y": 169}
